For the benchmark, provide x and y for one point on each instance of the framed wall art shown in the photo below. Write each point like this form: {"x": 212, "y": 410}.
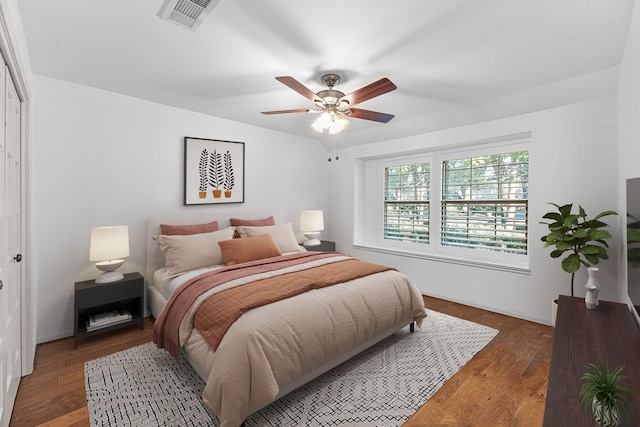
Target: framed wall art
{"x": 213, "y": 171}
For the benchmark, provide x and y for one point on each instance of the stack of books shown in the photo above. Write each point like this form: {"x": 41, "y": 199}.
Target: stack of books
{"x": 109, "y": 318}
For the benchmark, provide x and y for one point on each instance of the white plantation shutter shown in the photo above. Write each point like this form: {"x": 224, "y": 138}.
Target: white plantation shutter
{"x": 484, "y": 202}
{"x": 406, "y": 202}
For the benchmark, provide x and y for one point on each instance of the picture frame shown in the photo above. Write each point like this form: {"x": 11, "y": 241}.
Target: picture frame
{"x": 213, "y": 171}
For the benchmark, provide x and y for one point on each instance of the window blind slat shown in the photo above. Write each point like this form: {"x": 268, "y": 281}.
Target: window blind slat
{"x": 484, "y": 202}
{"x": 406, "y": 202}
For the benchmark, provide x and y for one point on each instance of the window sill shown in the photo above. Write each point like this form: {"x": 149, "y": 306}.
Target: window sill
{"x": 446, "y": 258}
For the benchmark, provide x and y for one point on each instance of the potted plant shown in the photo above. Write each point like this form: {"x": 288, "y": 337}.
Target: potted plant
{"x": 584, "y": 239}
{"x": 202, "y": 169}
{"x": 228, "y": 175}
{"x": 215, "y": 173}
{"x": 601, "y": 390}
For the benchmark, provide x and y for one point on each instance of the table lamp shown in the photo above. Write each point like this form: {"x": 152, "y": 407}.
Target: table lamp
{"x": 311, "y": 224}
{"x": 108, "y": 246}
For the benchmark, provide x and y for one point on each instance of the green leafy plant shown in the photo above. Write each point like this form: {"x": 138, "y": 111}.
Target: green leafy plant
{"x": 584, "y": 239}
{"x": 601, "y": 390}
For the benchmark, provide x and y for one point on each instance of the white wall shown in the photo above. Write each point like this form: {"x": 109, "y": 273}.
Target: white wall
{"x": 629, "y": 101}
{"x": 573, "y": 158}
{"x": 100, "y": 158}
{"x": 628, "y": 122}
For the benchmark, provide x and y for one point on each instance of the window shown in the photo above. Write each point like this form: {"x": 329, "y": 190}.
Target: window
{"x": 406, "y": 202}
{"x": 484, "y": 202}
{"x": 465, "y": 204}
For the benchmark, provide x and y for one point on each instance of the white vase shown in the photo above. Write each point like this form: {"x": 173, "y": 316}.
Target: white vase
{"x": 604, "y": 418}
{"x": 590, "y": 300}
{"x": 593, "y": 282}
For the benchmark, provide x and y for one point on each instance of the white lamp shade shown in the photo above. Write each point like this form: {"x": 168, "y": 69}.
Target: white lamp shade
{"x": 109, "y": 243}
{"x": 323, "y": 122}
{"x": 334, "y": 124}
{"x": 338, "y": 124}
{"x": 311, "y": 221}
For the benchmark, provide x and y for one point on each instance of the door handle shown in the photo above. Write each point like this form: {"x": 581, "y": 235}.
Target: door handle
{"x": 18, "y": 258}
{"x": 1, "y": 285}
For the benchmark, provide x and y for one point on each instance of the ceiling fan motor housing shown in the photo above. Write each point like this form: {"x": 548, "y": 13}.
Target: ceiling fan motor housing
{"x": 330, "y": 96}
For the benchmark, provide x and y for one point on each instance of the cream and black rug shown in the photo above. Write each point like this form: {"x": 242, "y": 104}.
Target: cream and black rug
{"x": 382, "y": 386}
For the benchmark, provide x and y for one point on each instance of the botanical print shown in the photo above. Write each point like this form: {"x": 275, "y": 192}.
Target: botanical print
{"x": 214, "y": 171}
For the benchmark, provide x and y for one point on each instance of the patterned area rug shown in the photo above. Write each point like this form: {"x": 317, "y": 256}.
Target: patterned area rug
{"x": 382, "y": 386}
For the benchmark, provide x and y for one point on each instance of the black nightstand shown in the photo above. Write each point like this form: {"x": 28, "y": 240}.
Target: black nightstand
{"x": 94, "y": 298}
{"x": 324, "y": 246}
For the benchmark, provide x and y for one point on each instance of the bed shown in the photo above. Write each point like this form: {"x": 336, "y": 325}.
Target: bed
{"x": 263, "y": 351}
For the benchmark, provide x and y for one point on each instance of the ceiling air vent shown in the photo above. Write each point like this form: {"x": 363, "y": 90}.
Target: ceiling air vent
{"x": 186, "y": 13}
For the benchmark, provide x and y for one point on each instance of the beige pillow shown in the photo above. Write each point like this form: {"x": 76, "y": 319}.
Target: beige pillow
{"x": 253, "y": 248}
{"x": 188, "y": 252}
{"x": 252, "y": 222}
{"x": 283, "y": 235}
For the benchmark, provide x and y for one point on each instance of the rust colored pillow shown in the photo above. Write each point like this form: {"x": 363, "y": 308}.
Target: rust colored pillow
{"x": 253, "y": 222}
{"x": 235, "y": 222}
{"x": 183, "y": 230}
{"x": 237, "y": 251}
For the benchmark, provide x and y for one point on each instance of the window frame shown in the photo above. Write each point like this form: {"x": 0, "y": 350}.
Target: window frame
{"x": 405, "y": 161}
{"x": 369, "y": 217}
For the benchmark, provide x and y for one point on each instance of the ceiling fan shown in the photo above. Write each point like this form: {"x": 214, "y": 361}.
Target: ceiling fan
{"x": 335, "y": 105}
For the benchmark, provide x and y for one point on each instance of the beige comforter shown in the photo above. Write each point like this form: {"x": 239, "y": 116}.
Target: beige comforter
{"x": 272, "y": 346}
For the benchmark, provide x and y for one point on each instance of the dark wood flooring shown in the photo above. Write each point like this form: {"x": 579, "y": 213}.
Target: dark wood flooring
{"x": 503, "y": 385}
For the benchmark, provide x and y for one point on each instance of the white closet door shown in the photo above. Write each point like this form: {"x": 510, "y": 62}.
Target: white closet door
{"x": 10, "y": 249}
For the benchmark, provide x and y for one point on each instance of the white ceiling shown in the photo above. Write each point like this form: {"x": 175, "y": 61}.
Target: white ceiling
{"x": 454, "y": 62}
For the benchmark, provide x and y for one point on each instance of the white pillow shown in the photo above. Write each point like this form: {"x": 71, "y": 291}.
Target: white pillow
{"x": 187, "y": 252}
{"x": 282, "y": 235}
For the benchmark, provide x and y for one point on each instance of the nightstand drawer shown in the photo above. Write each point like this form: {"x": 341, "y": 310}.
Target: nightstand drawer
{"x": 109, "y": 292}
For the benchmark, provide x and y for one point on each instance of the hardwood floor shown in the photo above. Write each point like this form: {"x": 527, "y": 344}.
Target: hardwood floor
{"x": 54, "y": 395}
{"x": 503, "y": 385}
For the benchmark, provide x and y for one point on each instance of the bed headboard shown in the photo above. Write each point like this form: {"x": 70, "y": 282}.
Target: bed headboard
{"x": 155, "y": 259}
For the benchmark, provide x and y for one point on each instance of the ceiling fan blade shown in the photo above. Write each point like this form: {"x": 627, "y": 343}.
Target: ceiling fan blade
{"x": 359, "y": 113}
{"x": 299, "y": 87}
{"x": 372, "y": 90}
{"x": 297, "y": 110}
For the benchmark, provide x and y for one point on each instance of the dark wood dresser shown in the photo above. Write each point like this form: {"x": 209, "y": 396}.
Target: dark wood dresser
{"x": 582, "y": 336}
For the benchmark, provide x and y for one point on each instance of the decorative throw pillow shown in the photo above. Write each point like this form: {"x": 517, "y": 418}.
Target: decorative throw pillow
{"x": 187, "y": 252}
{"x": 283, "y": 235}
{"x": 235, "y": 222}
{"x": 174, "y": 230}
{"x": 237, "y": 251}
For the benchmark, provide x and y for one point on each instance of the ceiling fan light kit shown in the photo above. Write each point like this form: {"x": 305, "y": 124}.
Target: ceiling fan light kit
{"x": 330, "y": 122}
{"x": 335, "y": 106}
